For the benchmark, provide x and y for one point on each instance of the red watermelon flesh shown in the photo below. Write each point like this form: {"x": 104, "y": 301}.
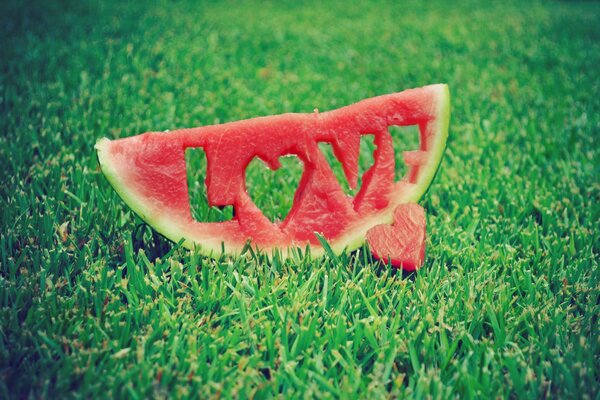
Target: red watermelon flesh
{"x": 149, "y": 173}
{"x": 402, "y": 243}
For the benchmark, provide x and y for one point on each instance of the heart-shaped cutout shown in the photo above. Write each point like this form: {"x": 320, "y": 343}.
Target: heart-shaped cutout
{"x": 402, "y": 243}
{"x": 272, "y": 188}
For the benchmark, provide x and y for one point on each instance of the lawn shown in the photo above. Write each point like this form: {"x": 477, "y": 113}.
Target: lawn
{"x": 94, "y": 303}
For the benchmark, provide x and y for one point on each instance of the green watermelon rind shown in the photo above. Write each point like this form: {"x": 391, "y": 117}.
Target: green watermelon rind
{"x": 351, "y": 240}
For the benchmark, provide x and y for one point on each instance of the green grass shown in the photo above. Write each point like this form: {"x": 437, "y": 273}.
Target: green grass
{"x": 94, "y": 304}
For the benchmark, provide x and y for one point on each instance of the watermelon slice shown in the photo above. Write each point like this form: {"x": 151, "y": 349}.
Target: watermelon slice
{"x": 149, "y": 172}
{"x": 402, "y": 244}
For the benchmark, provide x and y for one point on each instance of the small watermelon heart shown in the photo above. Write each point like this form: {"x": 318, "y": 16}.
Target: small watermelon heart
{"x": 402, "y": 243}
